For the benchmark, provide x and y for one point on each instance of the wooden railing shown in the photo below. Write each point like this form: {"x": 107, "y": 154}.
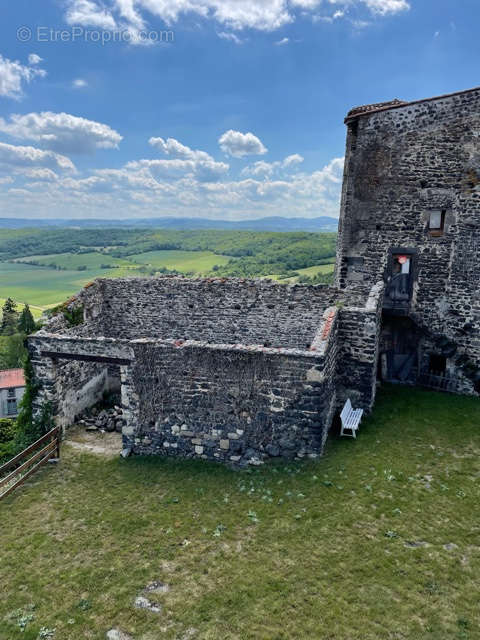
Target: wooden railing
{"x": 20, "y": 467}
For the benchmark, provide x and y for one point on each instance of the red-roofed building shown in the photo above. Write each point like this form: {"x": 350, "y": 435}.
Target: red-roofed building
{"x": 12, "y": 388}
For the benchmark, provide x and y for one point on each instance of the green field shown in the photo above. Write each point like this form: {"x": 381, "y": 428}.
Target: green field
{"x": 183, "y": 261}
{"x": 61, "y": 268}
{"x": 71, "y": 261}
{"x": 42, "y": 286}
{"x": 311, "y": 272}
{"x": 377, "y": 540}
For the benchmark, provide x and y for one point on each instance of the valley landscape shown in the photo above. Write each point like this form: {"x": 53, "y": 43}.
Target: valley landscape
{"x": 44, "y": 267}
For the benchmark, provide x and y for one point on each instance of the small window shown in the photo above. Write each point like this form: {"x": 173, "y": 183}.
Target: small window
{"x": 11, "y": 393}
{"x": 11, "y": 407}
{"x": 436, "y": 223}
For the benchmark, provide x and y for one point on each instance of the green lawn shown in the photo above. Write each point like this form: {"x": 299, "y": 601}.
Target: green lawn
{"x": 183, "y": 261}
{"x": 377, "y": 540}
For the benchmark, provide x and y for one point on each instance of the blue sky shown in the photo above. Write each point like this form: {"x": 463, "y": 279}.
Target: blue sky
{"x": 237, "y": 113}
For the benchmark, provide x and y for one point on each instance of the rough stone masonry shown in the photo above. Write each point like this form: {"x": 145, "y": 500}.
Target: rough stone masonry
{"x": 239, "y": 370}
{"x": 222, "y": 369}
{"x": 410, "y": 216}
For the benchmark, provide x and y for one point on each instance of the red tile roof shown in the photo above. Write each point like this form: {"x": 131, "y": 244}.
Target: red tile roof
{"x": 395, "y": 104}
{"x": 12, "y": 378}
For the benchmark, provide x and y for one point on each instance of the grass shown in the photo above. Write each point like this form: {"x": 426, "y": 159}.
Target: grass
{"x": 377, "y": 540}
{"x": 42, "y": 286}
{"x": 71, "y": 261}
{"x": 183, "y": 261}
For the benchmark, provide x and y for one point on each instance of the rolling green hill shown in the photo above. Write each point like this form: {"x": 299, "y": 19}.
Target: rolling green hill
{"x": 45, "y": 267}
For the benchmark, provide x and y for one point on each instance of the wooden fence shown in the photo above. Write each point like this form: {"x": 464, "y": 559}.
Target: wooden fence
{"x": 23, "y": 465}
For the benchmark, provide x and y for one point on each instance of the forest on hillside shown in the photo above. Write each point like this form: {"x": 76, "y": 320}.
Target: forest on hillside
{"x": 253, "y": 253}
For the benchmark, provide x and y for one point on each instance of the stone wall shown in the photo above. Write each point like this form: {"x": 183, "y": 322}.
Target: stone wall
{"x": 234, "y": 404}
{"x": 233, "y": 311}
{"x": 401, "y": 164}
{"x": 237, "y": 403}
{"x": 359, "y": 351}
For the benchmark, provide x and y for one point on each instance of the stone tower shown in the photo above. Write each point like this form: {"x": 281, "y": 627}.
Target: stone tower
{"x": 410, "y": 215}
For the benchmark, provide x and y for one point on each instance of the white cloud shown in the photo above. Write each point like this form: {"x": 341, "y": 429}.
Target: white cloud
{"x": 148, "y": 189}
{"x": 177, "y": 150}
{"x": 13, "y": 75}
{"x": 230, "y": 36}
{"x": 239, "y": 145}
{"x": 387, "y": 6}
{"x": 235, "y": 15}
{"x": 61, "y": 132}
{"x": 90, "y": 14}
{"x": 292, "y": 160}
{"x": 184, "y": 160}
{"x": 79, "y": 83}
{"x": 41, "y": 174}
{"x": 22, "y": 158}
{"x": 282, "y": 42}
{"x": 267, "y": 169}
{"x": 33, "y": 59}
{"x": 203, "y": 170}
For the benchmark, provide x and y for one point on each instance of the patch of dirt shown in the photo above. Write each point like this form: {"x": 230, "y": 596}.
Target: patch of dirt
{"x": 96, "y": 442}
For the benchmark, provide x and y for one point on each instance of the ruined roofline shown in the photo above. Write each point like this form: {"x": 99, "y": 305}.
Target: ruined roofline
{"x": 368, "y": 109}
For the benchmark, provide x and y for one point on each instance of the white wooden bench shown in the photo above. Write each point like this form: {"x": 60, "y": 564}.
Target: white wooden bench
{"x": 350, "y": 419}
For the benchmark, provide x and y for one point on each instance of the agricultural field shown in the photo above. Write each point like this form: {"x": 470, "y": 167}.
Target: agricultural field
{"x": 200, "y": 262}
{"x": 377, "y": 540}
{"x": 309, "y": 272}
{"x": 72, "y": 261}
{"x": 41, "y": 286}
{"x": 45, "y": 267}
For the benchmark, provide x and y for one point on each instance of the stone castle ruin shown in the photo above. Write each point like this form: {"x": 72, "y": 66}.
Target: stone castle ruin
{"x": 238, "y": 370}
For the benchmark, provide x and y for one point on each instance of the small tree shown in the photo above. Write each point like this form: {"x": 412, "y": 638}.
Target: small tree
{"x": 9, "y": 317}
{"x": 28, "y": 428}
{"x": 26, "y": 323}
{"x": 14, "y": 352}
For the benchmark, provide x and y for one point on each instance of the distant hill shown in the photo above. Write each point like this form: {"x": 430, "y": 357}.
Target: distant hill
{"x": 323, "y": 223}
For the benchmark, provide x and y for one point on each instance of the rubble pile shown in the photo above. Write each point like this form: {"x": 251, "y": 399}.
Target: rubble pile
{"x": 96, "y": 419}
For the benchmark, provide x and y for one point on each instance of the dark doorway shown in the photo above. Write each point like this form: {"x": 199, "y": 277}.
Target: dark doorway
{"x": 399, "y": 283}
{"x": 437, "y": 365}
{"x": 399, "y": 350}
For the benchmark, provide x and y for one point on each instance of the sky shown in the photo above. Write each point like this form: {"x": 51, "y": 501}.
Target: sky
{"x": 224, "y": 109}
